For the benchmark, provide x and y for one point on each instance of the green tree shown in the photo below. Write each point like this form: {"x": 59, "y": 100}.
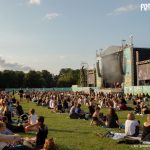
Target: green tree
{"x": 33, "y": 79}
{"x": 47, "y": 79}
{"x": 9, "y": 79}
{"x": 20, "y": 76}
{"x": 1, "y": 80}
{"x": 68, "y": 77}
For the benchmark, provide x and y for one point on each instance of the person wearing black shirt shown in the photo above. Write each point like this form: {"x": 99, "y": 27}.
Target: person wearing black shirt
{"x": 42, "y": 133}
{"x": 19, "y": 109}
{"x": 146, "y": 130}
{"x": 91, "y": 108}
{"x": 112, "y": 120}
{"x": 11, "y": 127}
{"x": 40, "y": 136}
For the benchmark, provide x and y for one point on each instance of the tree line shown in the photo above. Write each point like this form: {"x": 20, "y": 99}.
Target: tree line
{"x": 39, "y": 79}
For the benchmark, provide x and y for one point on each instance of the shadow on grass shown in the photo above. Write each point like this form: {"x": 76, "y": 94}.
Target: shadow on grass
{"x": 62, "y": 147}
{"x": 68, "y": 131}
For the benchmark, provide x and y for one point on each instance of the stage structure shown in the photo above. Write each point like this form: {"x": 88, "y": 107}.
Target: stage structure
{"x": 122, "y": 66}
{"x": 83, "y": 74}
{"x": 143, "y": 72}
{"x": 91, "y": 78}
{"x": 87, "y": 76}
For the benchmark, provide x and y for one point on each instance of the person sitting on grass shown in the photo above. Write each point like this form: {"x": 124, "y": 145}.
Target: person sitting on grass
{"x": 19, "y": 109}
{"x": 131, "y": 125}
{"x": 79, "y": 112}
{"x": 72, "y": 113}
{"x": 96, "y": 117}
{"x": 123, "y": 104}
{"x": 38, "y": 141}
{"x": 146, "y": 130}
{"x": 4, "y": 130}
{"x": 91, "y": 108}
{"x": 11, "y": 127}
{"x": 137, "y": 109}
{"x": 32, "y": 119}
{"x": 144, "y": 108}
{"x": 49, "y": 144}
{"x": 112, "y": 120}
{"x": 5, "y": 111}
{"x": 51, "y": 103}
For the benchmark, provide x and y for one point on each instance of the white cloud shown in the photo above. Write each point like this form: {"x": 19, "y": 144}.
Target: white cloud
{"x": 35, "y": 2}
{"x": 51, "y": 16}
{"x": 124, "y": 9}
{"x": 13, "y": 65}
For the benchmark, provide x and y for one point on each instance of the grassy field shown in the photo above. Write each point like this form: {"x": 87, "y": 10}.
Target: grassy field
{"x": 78, "y": 134}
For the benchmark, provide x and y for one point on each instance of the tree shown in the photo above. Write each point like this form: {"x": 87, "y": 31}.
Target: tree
{"x": 1, "y": 80}
{"x": 9, "y": 79}
{"x": 20, "y": 76}
{"x": 47, "y": 79}
{"x": 68, "y": 77}
{"x": 34, "y": 79}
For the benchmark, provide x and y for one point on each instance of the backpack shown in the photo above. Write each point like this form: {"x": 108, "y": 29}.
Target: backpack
{"x": 129, "y": 141}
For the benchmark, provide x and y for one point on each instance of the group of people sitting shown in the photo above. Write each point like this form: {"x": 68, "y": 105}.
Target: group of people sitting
{"x": 72, "y": 103}
{"x": 10, "y": 127}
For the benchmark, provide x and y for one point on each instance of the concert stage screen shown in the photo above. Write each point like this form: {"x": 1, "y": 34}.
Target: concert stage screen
{"x": 144, "y": 72}
{"x": 112, "y": 69}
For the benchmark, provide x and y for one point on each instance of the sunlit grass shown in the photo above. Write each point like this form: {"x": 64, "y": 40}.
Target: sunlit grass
{"x": 78, "y": 134}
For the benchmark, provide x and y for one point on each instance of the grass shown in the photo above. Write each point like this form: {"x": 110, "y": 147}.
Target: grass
{"x": 78, "y": 134}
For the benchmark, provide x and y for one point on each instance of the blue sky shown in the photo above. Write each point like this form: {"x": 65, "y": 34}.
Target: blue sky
{"x": 55, "y": 34}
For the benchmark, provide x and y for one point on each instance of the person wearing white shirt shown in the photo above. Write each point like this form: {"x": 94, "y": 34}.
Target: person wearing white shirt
{"x": 131, "y": 125}
{"x": 51, "y": 103}
{"x": 31, "y": 121}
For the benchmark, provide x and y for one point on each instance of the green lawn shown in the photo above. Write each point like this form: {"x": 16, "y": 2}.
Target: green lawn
{"x": 78, "y": 134}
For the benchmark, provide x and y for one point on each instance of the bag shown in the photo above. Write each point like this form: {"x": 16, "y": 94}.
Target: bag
{"x": 129, "y": 141}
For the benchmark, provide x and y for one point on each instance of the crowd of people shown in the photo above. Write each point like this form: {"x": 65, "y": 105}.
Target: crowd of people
{"x": 13, "y": 120}
{"x": 72, "y": 103}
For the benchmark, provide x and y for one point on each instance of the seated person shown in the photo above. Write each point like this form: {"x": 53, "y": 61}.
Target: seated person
{"x": 39, "y": 140}
{"x": 19, "y": 109}
{"x": 65, "y": 105}
{"x": 31, "y": 121}
{"x": 123, "y": 105}
{"x": 51, "y": 103}
{"x": 112, "y": 120}
{"x": 59, "y": 106}
{"x": 79, "y": 112}
{"x": 137, "y": 109}
{"x": 13, "y": 128}
{"x": 32, "y": 117}
{"x": 96, "y": 117}
{"x": 131, "y": 125}
{"x": 91, "y": 108}
{"x": 144, "y": 108}
{"x": 49, "y": 145}
{"x": 146, "y": 130}
{"x": 4, "y": 130}
{"x": 7, "y": 113}
{"x": 72, "y": 113}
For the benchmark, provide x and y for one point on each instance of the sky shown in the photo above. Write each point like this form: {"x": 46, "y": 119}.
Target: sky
{"x": 55, "y": 34}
